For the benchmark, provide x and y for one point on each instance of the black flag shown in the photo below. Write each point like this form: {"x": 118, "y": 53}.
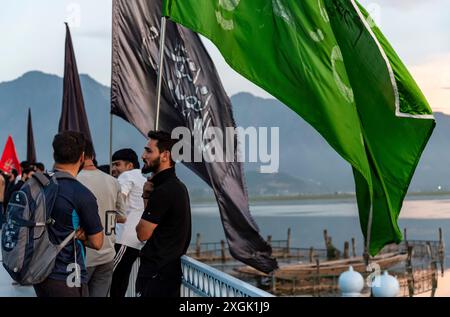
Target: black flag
{"x": 192, "y": 97}
{"x": 73, "y": 115}
{"x": 31, "y": 150}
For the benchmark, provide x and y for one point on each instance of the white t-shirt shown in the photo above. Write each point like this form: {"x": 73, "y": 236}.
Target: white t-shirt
{"x": 107, "y": 191}
{"x": 131, "y": 186}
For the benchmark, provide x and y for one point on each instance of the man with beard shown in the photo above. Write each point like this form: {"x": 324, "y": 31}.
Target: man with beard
{"x": 165, "y": 223}
{"x": 75, "y": 209}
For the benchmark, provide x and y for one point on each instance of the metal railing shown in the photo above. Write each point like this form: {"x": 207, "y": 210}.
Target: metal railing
{"x": 201, "y": 280}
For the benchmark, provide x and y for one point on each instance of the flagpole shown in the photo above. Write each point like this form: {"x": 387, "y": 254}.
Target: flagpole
{"x": 160, "y": 70}
{"x": 110, "y": 142}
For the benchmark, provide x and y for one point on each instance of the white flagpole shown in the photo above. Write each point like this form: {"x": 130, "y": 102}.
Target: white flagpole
{"x": 160, "y": 70}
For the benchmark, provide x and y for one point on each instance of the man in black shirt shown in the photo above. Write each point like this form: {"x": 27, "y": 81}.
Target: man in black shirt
{"x": 165, "y": 223}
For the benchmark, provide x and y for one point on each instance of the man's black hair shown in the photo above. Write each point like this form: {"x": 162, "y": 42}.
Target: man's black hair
{"x": 40, "y": 166}
{"x": 25, "y": 165}
{"x": 127, "y": 155}
{"x": 89, "y": 151}
{"x": 105, "y": 169}
{"x": 28, "y": 170}
{"x": 68, "y": 147}
{"x": 14, "y": 172}
{"x": 165, "y": 142}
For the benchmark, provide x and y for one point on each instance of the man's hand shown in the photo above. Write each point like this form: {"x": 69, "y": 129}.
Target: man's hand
{"x": 148, "y": 188}
{"x": 80, "y": 235}
{"x": 121, "y": 219}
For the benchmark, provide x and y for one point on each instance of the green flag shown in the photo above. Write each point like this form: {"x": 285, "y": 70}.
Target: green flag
{"x": 327, "y": 61}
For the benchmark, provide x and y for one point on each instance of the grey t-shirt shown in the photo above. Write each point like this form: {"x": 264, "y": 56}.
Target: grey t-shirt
{"x": 107, "y": 191}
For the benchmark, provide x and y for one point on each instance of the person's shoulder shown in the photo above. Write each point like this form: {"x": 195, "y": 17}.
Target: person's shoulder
{"x": 137, "y": 174}
{"x": 174, "y": 183}
{"x": 134, "y": 176}
{"x": 124, "y": 176}
{"x": 106, "y": 177}
{"x": 80, "y": 190}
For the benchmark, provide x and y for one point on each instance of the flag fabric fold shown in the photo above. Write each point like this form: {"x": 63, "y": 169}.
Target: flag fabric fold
{"x": 31, "y": 149}
{"x": 73, "y": 114}
{"x": 9, "y": 160}
{"x": 192, "y": 97}
{"x": 330, "y": 63}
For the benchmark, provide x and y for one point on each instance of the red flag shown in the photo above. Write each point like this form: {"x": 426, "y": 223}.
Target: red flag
{"x": 9, "y": 159}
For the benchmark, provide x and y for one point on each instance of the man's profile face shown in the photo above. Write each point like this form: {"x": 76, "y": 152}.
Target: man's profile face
{"x": 151, "y": 157}
{"x": 120, "y": 166}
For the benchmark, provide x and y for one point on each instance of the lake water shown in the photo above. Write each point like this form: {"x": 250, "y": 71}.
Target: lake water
{"x": 421, "y": 216}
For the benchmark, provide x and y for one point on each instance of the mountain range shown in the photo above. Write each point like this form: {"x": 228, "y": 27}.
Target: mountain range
{"x": 308, "y": 165}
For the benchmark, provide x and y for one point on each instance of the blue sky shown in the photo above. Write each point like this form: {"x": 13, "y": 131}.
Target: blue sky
{"x": 32, "y": 36}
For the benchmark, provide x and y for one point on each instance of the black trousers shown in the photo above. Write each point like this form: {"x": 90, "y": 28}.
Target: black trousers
{"x": 165, "y": 283}
{"x": 55, "y": 288}
{"x": 123, "y": 263}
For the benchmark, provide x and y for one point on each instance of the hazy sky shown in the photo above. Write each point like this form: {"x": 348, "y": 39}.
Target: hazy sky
{"x": 32, "y": 38}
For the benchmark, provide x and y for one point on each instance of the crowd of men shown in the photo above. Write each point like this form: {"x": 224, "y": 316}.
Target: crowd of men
{"x": 118, "y": 215}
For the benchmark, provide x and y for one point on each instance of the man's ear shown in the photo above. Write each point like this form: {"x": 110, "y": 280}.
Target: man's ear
{"x": 166, "y": 156}
{"x": 82, "y": 158}
{"x": 130, "y": 166}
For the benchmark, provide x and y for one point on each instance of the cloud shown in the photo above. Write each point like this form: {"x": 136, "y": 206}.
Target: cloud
{"x": 404, "y": 4}
{"x": 433, "y": 77}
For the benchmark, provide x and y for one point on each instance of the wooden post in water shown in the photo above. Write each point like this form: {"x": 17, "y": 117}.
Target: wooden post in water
{"x": 311, "y": 255}
{"x": 198, "y": 246}
{"x": 325, "y": 238}
{"x": 346, "y": 250}
{"x": 288, "y": 242}
{"x": 269, "y": 240}
{"x": 222, "y": 250}
{"x": 318, "y": 276}
{"x": 434, "y": 278}
{"x": 353, "y": 247}
{"x": 441, "y": 251}
{"x": 405, "y": 236}
{"x": 274, "y": 282}
{"x": 410, "y": 272}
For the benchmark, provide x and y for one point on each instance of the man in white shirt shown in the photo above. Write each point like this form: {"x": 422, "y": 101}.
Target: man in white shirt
{"x": 125, "y": 166}
{"x": 106, "y": 189}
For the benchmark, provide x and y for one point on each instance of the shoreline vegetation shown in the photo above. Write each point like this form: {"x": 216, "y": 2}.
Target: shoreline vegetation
{"x": 305, "y": 197}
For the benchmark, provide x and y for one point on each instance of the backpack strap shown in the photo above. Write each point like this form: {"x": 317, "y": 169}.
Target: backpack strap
{"x": 42, "y": 179}
{"x": 66, "y": 241}
{"x": 62, "y": 175}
